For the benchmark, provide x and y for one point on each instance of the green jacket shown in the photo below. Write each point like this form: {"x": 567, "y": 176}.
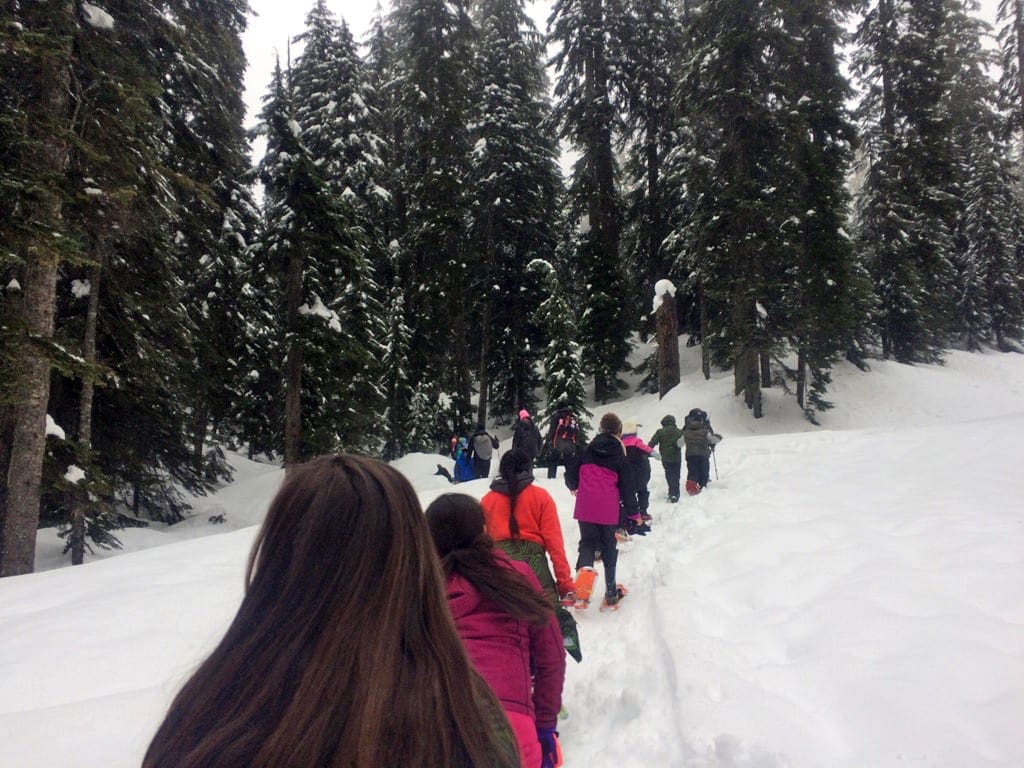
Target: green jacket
{"x": 664, "y": 441}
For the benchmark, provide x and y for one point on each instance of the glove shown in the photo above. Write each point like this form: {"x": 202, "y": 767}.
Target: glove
{"x": 550, "y": 749}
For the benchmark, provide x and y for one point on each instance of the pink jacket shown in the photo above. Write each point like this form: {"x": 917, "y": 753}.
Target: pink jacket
{"x": 503, "y": 649}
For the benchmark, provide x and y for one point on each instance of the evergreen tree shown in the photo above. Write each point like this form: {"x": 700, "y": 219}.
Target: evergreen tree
{"x": 906, "y": 208}
{"x": 563, "y": 367}
{"x": 989, "y": 297}
{"x": 317, "y": 251}
{"x": 741, "y": 183}
{"x": 586, "y": 117}
{"x": 515, "y": 187}
{"x": 1010, "y": 16}
{"x": 432, "y": 56}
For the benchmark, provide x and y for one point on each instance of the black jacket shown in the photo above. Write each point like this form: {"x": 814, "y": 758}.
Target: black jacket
{"x": 527, "y": 438}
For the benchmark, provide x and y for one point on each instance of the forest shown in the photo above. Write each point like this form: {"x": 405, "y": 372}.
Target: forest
{"x": 819, "y": 180}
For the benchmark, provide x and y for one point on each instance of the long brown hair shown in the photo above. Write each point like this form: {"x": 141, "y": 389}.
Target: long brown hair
{"x": 343, "y": 652}
{"x": 457, "y": 525}
{"x": 512, "y": 465}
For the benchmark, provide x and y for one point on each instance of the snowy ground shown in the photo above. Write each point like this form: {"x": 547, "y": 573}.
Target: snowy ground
{"x": 845, "y": 596}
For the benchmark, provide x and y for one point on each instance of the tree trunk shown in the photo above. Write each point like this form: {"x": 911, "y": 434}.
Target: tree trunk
{"x": 705, "y": 352}
{"x": 801, "y": 379}
{"x": 46, "y": 113}
{"x": 481, "y": 410}
{"x": 668, "y": 345}
{"x": 766, "y": 370}
{"x": 293, "y": 365}
{"x": 79, "y": 502}
{"x": 752, "y": 391}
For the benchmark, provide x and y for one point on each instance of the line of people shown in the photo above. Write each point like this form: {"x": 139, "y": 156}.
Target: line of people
{"x": 372, "y": 634}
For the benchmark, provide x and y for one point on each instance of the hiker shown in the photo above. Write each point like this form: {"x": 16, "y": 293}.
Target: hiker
{"x": 505, "y": 621}
{"x": 666, "y": 442}
{"x": 560, "y": 443}
{"x": 463, "y": 463}
{"x": 600, "y": 480}
{"x": 638, "y": 453}
{"x": 343, "y": 650}
{"x": 522, "y": 518}
{"x": 481, "y": 448}
{"x": 526, "y": 437}
{"x": 699, "y": 439}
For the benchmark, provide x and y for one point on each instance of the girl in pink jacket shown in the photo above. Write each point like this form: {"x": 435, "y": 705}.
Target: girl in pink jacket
{"x": 506, "y": 624}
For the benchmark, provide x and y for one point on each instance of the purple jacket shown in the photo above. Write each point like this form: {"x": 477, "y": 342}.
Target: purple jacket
{"x": 602, "y": 478}
{"x": 512, "y": 656}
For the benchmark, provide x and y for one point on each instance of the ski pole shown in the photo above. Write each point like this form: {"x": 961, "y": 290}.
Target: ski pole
{"x": 713, "y": 459}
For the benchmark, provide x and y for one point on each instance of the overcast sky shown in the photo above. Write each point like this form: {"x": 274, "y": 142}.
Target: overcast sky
{"x": 277, "y": 20}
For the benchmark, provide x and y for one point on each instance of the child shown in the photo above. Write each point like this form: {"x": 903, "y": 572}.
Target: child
{"x": 522, "y": 519}
{"x": 463, "y": 462}
{"x": 638, "y": 453}
{"x": 506, "y": 624}
{"x": 600, "y": 481}
{"x": 481, "y": 448}
{"x": 563, "y": 431}
{"x": 343, "y": 651}
{"x": 666, "y": 442}
{"x": 699, "y": 439}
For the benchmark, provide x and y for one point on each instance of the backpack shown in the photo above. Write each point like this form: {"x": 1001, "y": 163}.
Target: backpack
{"x": 483, "y": 446}
{"x": 565, "y": 434}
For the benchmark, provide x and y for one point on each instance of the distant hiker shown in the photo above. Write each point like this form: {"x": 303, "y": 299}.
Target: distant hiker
{"x": 700, "y": 440}
{"x": 505, "y": 622}
{"x": 481, "y": 448}
{"x": 463, "y": 463}
{"x": 601, "y": 480}
{"x": 522, "y": 518}
{"x": 665, "y": 441}
{"x": 639, "y": 455}
{"x": 563, "y": 432}
{"x": 526, "y": 437}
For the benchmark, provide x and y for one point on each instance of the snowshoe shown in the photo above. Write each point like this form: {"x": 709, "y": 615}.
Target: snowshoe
{"x": 622, "y": 536}
{"x": 692, "y": 487}
{"x": 613, "y": 600}
{"x": 584, "y": 586}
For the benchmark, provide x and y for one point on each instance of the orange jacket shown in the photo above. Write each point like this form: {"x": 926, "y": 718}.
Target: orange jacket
{"x": 537, "y": 516}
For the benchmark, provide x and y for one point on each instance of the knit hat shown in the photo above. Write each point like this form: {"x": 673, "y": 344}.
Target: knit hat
{"x": 629, "y": 427}
{"x": 463, "y": 442}
{"x": 524, "y": 414}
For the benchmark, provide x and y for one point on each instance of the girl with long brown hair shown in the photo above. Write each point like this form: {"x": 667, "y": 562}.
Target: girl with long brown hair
{"x": 506, "y": 623}
{"x": 343, "y": 653}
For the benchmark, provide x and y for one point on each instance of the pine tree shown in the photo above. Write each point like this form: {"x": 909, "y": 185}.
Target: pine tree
{"x": 36, "y": 52}
{"x": 318, "y": 254}
{"x": 906, "y": 207}
{"x": 741, "y": 183}
{"x": 1010, "y": 16}
{"x": 585, "y": 116}
{"x": 563, "y": 367}
{"x": 515, "y": 186}
{"x": 433, "y": 94}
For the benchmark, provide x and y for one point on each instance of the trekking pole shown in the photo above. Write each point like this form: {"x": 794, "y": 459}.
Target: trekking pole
{"x": 715, "y": 461}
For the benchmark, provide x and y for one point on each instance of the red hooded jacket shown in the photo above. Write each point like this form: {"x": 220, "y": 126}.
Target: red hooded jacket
{"x": 503, "y": 649}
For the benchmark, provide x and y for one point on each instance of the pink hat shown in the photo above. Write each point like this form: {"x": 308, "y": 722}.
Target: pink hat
{"x": 524, "y": 414}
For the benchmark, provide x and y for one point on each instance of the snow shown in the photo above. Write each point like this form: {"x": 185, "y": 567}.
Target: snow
{"x": 74, "y": 474}
{"x": 319, "y": 309}
{"x": 846, "y": 596}
{"x": 80, "y": 288}
{"x": 96, "y": 17}
{"x": 14, "y": 285}
{"x": 53, "y": 429}
{"x": 662, "y": 288}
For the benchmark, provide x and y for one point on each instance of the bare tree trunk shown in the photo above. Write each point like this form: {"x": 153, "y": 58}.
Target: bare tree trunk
{"x": 481, "y": 411}
{"x": 31, "y": 389}
{"x": 293, "y": 366}
{"x": 752, "y": 390}
{"x": 705, "y": 352}
{"x": 79, "y": 501}
{"x": 766, "y": 370}
{"x": 668, "y": 345}
{"x": 801, "y": 379}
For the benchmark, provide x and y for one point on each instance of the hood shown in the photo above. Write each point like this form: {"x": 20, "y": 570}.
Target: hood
{"x": 607, "y": 445}
{"x": 523, "y": 479}
{"x": 632, "y": 441}
{"x": 668, "y": 421}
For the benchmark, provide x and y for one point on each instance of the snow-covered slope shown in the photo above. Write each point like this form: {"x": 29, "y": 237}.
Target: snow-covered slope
{"x": 849, "y": 595}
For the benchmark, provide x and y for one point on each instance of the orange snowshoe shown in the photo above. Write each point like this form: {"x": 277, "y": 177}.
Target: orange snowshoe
{"x": 584, "y": 586}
